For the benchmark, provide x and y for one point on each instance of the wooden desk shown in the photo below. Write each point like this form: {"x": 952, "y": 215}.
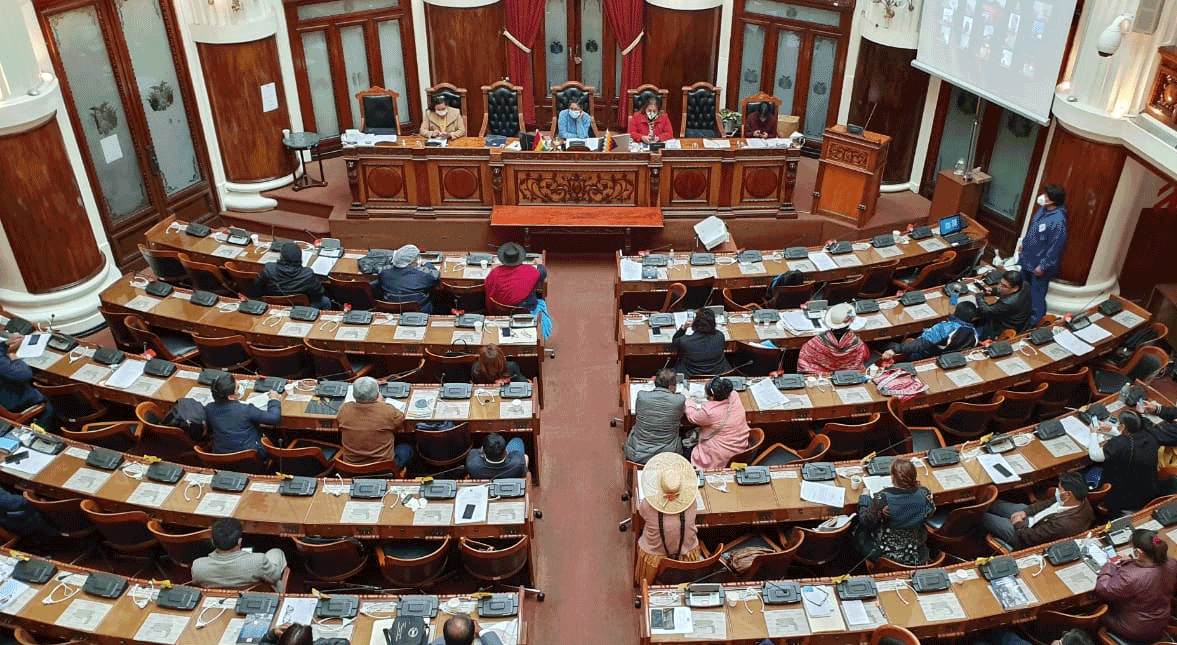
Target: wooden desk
{"x": 125, "y": 623}
{"x": 818, "y": 403}
{"x": 466, "y": 179}
{"x": 560, "y": 220}
{"x": 728, "y": 273}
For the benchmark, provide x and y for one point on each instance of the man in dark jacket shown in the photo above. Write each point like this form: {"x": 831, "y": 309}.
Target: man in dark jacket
{"x": 235, "y": 425}
{"x": 1011, "y": 310}
{"x": 1067, "y": 513}
{"x": 288, "y": 277}
{"x": 16, "y": 384}
{"x": 1042, "y": 247}
{"x": 700, "y": 352}
{"x": 403, "y": 282}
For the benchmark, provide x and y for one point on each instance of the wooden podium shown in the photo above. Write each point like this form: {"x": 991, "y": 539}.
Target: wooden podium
{"x": 849, "y": 172}
{"x": 953, "y": 194}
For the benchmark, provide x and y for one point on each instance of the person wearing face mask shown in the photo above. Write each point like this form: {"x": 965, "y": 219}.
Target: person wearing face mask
{"x": 1129, "y": 462}
{"x": 574, "y": 123}
{"x": 650, "y": 125}
{"x": 443, "y": 121}
{"x": 1065, "y": 514}
{"x": 1011, "y": 310}
{"x": 1139, "y": 589}
{"x": 1041, "y": 248}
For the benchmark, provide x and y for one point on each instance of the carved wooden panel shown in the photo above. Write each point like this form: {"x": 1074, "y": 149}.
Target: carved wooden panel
{"x": 467, "y": 48}
{"x": 1162, "y": 101}
{"x": 461, "y": 184}
{"x": 682, "y": 47}
{"x": 847, "y": 155}
{"x": 42, "y": 212}
{"x": 691, "y": 184}
{"x": 760, "y": 184}
{"x": 576, "y": 187}
{"x": 387, "y": 183}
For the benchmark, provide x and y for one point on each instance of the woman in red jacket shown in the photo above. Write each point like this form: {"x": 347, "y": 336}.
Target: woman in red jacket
{"x": 650, "y": 125}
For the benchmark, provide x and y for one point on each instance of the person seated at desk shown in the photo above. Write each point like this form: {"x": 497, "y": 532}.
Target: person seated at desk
{"x": 498, "y": 459}
{"x": 230, "y": 567}
{"x": 404, "y": 282}
{"x": 443, "y": 121}
{"x": 891, "y": 523}
{"x": 1129, "y": 462}
{"x": 838, "y": 348}
{"x": 1067, "y": 513}
{"x": 1139, "y": 589}
{"x": 574, "y": 123}
{"x": 761, "y": 122}
{"x": 461, "y": 630}
{"x": 723, "y": 425}
{"x": 667, "y": 509}
{"x": 700, "y": 351}
{"x": 1011, "y": 310}
{"x": 19, "y": 517}
{"x": 650, "y": 125}
{"x": 492, "y": 368}
{"x": 955, "y": 334}
{"x": 17, "y": 393}
{"x": 657, "y": 417}
{"x": 234, "y": 425}
{"x": 514, "y": 284}
{"x": 288, "y": 277}
{"x": 368, "y": 426}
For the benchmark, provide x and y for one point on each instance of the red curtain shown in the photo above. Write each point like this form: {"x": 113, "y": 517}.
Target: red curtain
{"x": 523, "y": 21}
{"x": 625, "y": 19}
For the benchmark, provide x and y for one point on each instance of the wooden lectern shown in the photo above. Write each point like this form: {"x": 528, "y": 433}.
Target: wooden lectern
{"x": 954, "y": 194}
{"x": 849, "y": 172}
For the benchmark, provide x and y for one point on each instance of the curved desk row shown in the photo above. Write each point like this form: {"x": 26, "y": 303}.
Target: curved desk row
{"x": 970, "y": 604}
{"x": 727, "y": 272}
{"x": 40, "y": 609}
{"x": 821, "y": 401}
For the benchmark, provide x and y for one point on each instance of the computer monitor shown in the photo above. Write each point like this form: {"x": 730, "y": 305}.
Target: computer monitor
{"x": 951, "y": 224}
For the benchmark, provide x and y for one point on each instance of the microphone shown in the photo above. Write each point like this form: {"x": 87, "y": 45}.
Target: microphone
{"x": 729, "y": 372}
{"x": 870, "y": 116}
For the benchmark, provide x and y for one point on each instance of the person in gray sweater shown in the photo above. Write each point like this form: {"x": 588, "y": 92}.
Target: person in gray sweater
{"x": 229, "y": 567}
{"x": 657, "y": 417}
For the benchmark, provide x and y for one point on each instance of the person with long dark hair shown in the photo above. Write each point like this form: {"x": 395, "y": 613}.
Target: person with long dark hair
{"x": 1129, "y": 463}
{"x": 1139, "y": 589}
{"x": 891, "y": 522}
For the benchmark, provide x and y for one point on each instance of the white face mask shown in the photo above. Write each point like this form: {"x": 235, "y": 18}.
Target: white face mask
{"x": 1042, "y": 199}
{"x": 574, "y": 113}
{"x": 652, "y": 114}
{"x": 441, "y": 112}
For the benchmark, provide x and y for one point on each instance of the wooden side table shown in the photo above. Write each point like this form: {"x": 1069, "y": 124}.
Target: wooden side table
{"x": 308, "y": 142}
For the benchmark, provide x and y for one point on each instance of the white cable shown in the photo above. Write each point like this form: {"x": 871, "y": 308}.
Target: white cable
{"x": 322, "y": 623}
{"x": 334, "y": 325}
{"x": 902, "y": 584}
{"x": 459, "y": 606}
{"x": 228, "y": 306}
{"x": 202, "y": 622}
{"x": 76, "y": 354}
{"x": 273, "y": 319}
{"x": 71, "y": 591}
{"x": 724, "y": 260}
{"x": 139, "y": 282}
{"x": 134, "y": 469}
{"x": 138, "y": 596}
{"x": 663, "y": 598}
{"x": 199, "y": 490}
{"x": 378, "y": 610}
{"x": 976, "y": 355}
{"x": 337, "y": 491}
{"x": 306, "y": 385}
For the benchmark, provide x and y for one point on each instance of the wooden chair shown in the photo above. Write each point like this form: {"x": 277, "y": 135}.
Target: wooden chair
{"x": 414, "y": 564}
{"x": 167, "y": 442}
{"x": 336, "y": 365}
{"x": 120, "y": 436}
{"x": 853, "y": 440}
{"x": 116, "y": 322}
{"x": 64, "y": 515}
{"x": 753, "y": 103}
{"x": 585, "y": 97}
{"x": 965, "y": 421}
{"x": 762, "y": 361}
{"x": 449, "y": 367}
{"x": 755, "y": 441}
{"x": 877, "y": 283}
{"x": 379, "y": 113}
{"x": 413, "y": 374}
{"x": 674, "y": 572}
{"x": 468, "y": 298}
{"x": 331, "y": 559}
{"x": 494, "y": 560}
{"x": 74, "y": 404}
{"x": 230, "y": 353}
{"x": 386, "y": 469}
{"x": 780, "y": 454}
{"x": 290, "y": 363}
{"x": 502, "y": 114}
{"x": 955, "y": 530}
{"x": 887, "y": 565}
{"x": 443, "y": 448}
{"x": 357, "y": 293}
{"x": 496, "y": 308}
{"x": 637, "y": 98}
{"x": 395, "y": 307}
{"x": 125, "y": 532}
{"x": 894, "y": 633}
{"x": 172, "y": 346}
{"x": 182, "y": 548}
{"x": 700, "y": 111}
{"x": 303, "y": 457}
{"x": 295, "y": 300}
{"x": 454, "y": 96}
{"x": 205, "y": 276}
{"x": 928, "y": 275}
{"x": 742, "y": 299}
{"x": 790, "y": 296}
{"x": 1061, "y": 390}
{"x": 24, "y": 637}
{"x": 1050, "y": 624}
{"x": 244, "y": 279}
{"x": 165, "y": 265}
{"x": 918, "y": 438}
{"x": 965, "y": 261}
{"x": 767, "y": 566}
{"x": 648, "y": 301}
{"x": 1017, "y": 408}
{"x": 1146, "y": 362}
{"x": 821, "y": 548}
{"x": 844, "y": 290}
{"x": 241, "y": 461}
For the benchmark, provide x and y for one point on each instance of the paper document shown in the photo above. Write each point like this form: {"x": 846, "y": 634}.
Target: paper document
{"x": 823, "y": 261}
{"x": 826, "y": 494}
{"x": 323, "y": 265}
{"x": 297, "y": 610}
{"x": 470, "y": 504}
{"x": 32, "y": 346}
{"x": 126, "y": 374}
{"x": 1071, "y": 342}
{"x": 998, "y": 469}
{"x": 876, "y": 483}
{"x": 1093, "y": 333}
{"x": 682, "y": 621}
{"x": 1076, "y": 430}
{"x": 767, "y": 396}
{"x": 951, "y": 478}
{"x": 1060, "y": 447}
{"x": 717, "y": 143}
{"x": 673, "y": 144}
{"x": 630, "y": 271}
{"x": 821, "y": 608}
{"x": 797, "y": 321}
{"x": 938, "y": 607}
{"x": 855, "y": 613}
{"x": 783, "y": 623}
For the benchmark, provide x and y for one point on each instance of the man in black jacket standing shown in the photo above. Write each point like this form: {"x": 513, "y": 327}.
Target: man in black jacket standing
{"x": 1011, "y": 310}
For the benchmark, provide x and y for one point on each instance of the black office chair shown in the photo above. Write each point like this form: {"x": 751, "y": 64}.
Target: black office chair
{"x": 378, "y": 113}
{"x": 454, "y": 96}
{"x": 502, "y": 116}
{"x": 585, "y": 97}
{"x": 700, "y": 113}
{"x": 638, "y": 97}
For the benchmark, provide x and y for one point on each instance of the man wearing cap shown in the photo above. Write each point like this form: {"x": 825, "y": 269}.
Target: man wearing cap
{"x": 1065, "y": 514}
{"x": 404, "y": 282}
{"x": 835, "y": 349}
{"x": 514, "y": 284}
{"x": 669, "y": 485}
{"x": 288, "y": 277}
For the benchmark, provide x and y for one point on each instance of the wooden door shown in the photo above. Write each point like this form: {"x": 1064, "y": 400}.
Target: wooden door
{"x": 575, "y": 44}
{"x": 128, "y": 95}
{"x": 467, "y": 48}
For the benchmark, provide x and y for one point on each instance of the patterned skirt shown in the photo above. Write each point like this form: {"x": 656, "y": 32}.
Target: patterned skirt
{"x": 646, "y": 564}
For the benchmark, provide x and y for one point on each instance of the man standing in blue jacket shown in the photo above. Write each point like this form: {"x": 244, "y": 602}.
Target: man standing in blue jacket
{"x": 1041, "y": 249}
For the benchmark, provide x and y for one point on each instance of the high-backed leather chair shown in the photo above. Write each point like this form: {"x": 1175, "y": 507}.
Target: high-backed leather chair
{"x": 177, "y": 347}
{"x": 241, "y": 461}
{"x": 449, "y": 367}
{"x": 954, "y": 529}
{"x": 336, "y": 365}
{"x": 928, "y": 275}
{"x": 357, "y": 293}
{"x": 654, "y": 301}
{"x": 821, "y": 548}
{"x": 25, "y": 637}
{"x": 1017, "y": 408}
{"x": 887, "y": 565}
{"x": 700, "y": 111}
{"x": 756, "y": 359}
{"x": 790, "y": 296}
{"x": 228, "y": 353}
{"x": 167, "y": 442}
{"x": 468, "y": 298}
{"x": 116, "y": 322}
{"x": 303, "y": 457}
{"x": 1060, "y": 392}
{"x": 853, "y": 440}
{"x": 443, "y": 448}
{"x": 331, "y": 559}
{"x": 244, "y": 279}
{"x": 74, "y": 403}
{"x": 292, "y": 300}
{"x": 124, "y": 531}
{"x": 454, "y": 96}
{"x": 165, "y": 265}
{"x": 378, "y": 111}
{"x": 779, "y": 454}
{"x": 1145, "y": 362}
{"x": 752, "y": 104}
{"x": 287, "y": 362}
{"x": 755, "y": 441}
{"x": 585, "y": 97}
{"x": 674, "y": 572}
{"x": 184, "y": 546}
{"x": 964, "y": 421}
{"x": 494, "y": 560}
{"x": 878, "y": 280}
{"x": 637, "y": 100}
{"x": 205, "y": 276}
{"x": 894, "y": 633}
{"x": 384, "y": 469}
{"x": 503, "y": 115}
{"x": 844, "y": 290}
{"x": 396, "y": 307}
{"x": 414, "y": 564}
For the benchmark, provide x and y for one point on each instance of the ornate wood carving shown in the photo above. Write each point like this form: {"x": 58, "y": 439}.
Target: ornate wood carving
{"x": 690, "y": 184}
{"x": 761, "y": 183}
{"x": 353, "y": 181}
{"x": 576, "y": 187}
{"x": 386, "y": 182}
{"x": 460, "y": 184}
{"x": 847, "y": 155}
{"x": 1162, "y": 101}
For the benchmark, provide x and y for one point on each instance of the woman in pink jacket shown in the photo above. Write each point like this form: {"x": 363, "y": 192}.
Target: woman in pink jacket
{"x": 723, "y": 426}
{"x": 1139, "y": 589}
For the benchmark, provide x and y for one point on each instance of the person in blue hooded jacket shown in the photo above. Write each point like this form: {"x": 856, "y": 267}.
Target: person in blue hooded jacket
{"x": 1041, "y": 249}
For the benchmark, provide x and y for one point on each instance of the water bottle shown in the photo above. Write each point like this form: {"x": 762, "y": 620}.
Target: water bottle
{"x": 953, "y": 297}
{"x": 670, "y": 259}
{"x": 959, "y": 167}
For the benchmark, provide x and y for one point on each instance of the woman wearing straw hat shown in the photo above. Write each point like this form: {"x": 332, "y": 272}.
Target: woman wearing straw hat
{"x": 670, "y": 485}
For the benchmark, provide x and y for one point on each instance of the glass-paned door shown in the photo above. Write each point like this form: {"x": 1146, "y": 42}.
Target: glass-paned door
{"x": 131, "y": 111}
{"x": 577, "y": 47}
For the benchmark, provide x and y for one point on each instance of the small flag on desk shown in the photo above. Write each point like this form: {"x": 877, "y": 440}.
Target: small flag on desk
{"x": 608, "y": 145}
{"x": 539, "y": 141}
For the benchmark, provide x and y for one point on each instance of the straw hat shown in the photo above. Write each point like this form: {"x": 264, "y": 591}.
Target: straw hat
{"x": 670, "y": 483}
{"x": 839, "y": 316}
